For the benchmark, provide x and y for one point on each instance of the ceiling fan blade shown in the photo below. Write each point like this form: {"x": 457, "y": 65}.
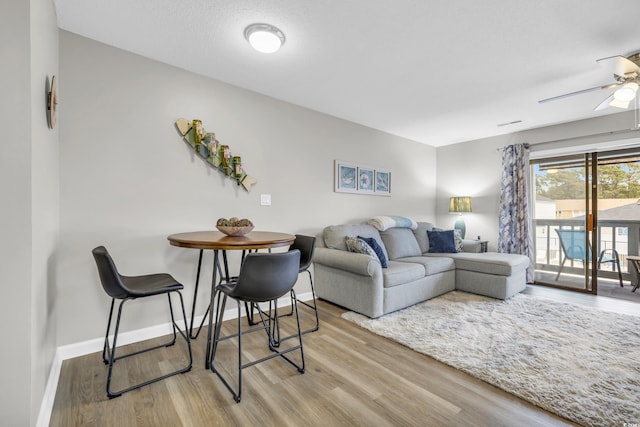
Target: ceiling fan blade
{"x": 619, "y": 65}
{"x": 604, "y": 104}
{"x": 566, "y": 95}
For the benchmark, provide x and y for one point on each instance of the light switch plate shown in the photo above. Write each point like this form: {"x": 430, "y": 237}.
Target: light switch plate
{"x": 265, "y": 199}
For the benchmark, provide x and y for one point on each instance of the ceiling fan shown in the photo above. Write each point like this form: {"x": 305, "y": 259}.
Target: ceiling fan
{"x": 626, "y": 72}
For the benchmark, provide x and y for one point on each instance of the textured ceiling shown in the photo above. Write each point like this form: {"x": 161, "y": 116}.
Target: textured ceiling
{"x": 437, "y": 72}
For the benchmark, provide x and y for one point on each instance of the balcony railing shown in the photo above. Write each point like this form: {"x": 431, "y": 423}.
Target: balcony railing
{"x": 621, "y": 235}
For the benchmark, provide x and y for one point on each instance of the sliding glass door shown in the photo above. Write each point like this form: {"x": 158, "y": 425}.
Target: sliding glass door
{"x": 562, "y": 191}
{"x": 587, "y": 219}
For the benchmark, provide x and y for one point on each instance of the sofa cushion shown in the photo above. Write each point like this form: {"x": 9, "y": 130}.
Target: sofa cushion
{"x": 441, "y": 241}
{"x": 420, "y": 234}
{"x": 334, "y": 235}
{"x": 432, "y": 265}
{"x": 400, "y": 243}
{"x": 377, "y": 249}
{"x": 399, "y": 273}
{"x": 495, "y": 263}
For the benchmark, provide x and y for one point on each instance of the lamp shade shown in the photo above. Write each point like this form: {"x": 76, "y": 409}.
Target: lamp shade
{"x": 460, "y": 204}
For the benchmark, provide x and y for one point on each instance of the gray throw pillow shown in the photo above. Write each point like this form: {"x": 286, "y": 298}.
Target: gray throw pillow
{"x": 457, "y": 238}
{"x": 359, "y": 246}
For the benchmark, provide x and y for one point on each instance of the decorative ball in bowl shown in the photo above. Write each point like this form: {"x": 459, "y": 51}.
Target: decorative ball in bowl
{"x": 234, "y": 231}
{"x": 234, "y": 226}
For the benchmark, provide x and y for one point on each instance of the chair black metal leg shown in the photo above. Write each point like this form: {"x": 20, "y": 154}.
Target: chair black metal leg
{"x": 282, "y": 354}
{"x": 217, "y": 339}
{"x": 236, "y": 397}
{"x": 274, "y": 326}
{"x": 106, "y": 351}
{"x": 112, "y": 351}
{"x": 249, "y": 309}
{"x": 312, "y": 306}
{"x": 268, "y": 322}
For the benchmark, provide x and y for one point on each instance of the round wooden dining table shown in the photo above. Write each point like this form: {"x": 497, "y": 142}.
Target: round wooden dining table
{"x": 217, "y": 241}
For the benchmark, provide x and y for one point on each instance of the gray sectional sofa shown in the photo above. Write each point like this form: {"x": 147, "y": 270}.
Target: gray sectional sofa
{"x": 359, "y": 283}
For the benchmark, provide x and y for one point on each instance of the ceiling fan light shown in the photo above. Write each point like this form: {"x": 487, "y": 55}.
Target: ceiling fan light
{"x": 619, "y": 104}
{"x": 626, "y": 93}
{"x": 264, "y": 38}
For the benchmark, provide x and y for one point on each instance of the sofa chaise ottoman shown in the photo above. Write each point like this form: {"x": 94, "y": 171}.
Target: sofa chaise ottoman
{"x": 413, "y": 274}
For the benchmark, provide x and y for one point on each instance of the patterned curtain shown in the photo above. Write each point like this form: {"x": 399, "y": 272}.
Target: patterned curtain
{"x": 514, "y": 235}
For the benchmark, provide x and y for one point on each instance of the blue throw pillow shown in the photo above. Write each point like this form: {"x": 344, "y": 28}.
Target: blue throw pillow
{"x": 378, "y": 250}
{"x": 442, "y": 242}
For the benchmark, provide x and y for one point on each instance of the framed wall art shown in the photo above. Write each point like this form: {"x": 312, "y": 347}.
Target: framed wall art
{"x": 346, "y": 179}
{"x": 383, "y": 182}
{"x": 360, "y": 179}
{"x": 366, "y": 179}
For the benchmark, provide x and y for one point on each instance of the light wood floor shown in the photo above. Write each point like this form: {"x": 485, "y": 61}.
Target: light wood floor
{"x": 353, "y": 378}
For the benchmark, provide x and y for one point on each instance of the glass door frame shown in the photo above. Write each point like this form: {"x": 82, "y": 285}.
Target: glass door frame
{"x": 591, "y": 202}
{"x": 589, "y": 162}
{"x": 603, "y": 230}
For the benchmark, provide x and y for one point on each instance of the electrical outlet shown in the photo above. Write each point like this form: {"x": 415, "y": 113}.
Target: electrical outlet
{"x": 265, "y": 199}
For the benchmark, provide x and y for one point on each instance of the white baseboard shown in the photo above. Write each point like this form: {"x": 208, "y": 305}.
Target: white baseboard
{"x": 95, "y": 345}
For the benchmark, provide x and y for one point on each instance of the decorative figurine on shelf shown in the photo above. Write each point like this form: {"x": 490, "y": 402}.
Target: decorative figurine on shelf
{"x": 212, "y": 145}
{"x": 225, "y": 161}
{"x": 197, "y": 134}
{"x": 216, "y": 154}
{"x": 237, "y": 167}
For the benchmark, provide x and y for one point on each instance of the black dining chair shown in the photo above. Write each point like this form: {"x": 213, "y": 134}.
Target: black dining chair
{"x": 306, "y": 246}
{"x": 126, "y": 288}
{"x": 263, "y": 278}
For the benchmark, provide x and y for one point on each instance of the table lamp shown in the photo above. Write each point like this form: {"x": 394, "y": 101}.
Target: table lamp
{"x": 459, "y": 205}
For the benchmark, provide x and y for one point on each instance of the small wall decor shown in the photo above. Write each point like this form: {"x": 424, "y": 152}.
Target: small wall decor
{"x": 209, "y": 148}
{"x": 52, "y": 102}
{"x": 360, "y": 179}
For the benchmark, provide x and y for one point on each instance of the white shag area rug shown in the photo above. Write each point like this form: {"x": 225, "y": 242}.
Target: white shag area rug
{"x": 578, "y": 362}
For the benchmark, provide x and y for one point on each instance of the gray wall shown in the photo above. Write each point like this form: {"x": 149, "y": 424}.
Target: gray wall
{"x": 474, "y": 168}
{"x": 128, "y": 180}
{"x": 29, "y": 212}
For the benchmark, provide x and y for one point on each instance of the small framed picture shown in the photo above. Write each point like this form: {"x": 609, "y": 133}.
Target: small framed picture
{"x": 383, "y": 182}
{"x": 346, "y": 177}
{"x": 366, "y": 179}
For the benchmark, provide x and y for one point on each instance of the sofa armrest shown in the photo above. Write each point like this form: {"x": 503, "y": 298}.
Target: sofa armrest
{"x": 349, "y": 261}
{"x": 473, "y": 246}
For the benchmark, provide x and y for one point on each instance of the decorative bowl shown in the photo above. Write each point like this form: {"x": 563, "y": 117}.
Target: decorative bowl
{"x": 234, "y": 231}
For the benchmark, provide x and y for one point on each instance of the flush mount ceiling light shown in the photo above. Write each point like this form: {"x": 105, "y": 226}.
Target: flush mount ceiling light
{"x": 264, "y": 38}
